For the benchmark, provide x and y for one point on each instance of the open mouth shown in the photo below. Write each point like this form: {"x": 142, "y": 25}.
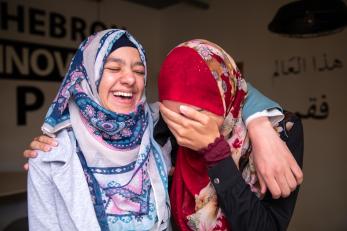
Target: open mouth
{"x": 123, "y": 95}
{"x": 121, "y": 101}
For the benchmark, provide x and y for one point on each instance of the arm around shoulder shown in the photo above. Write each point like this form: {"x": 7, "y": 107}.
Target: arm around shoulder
{"x": 256, "y": 102}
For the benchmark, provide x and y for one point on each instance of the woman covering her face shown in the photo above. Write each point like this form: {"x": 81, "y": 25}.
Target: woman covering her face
{"x": 199, "y": 73}
{"x": 107, "y": 173}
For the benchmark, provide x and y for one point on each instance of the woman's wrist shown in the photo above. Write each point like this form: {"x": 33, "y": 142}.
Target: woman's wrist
{"x": 216, "y": 151}
{"x": 257, "y": 125}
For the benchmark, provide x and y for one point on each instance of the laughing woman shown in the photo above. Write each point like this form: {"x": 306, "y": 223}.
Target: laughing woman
{"x": 108, "y": 173}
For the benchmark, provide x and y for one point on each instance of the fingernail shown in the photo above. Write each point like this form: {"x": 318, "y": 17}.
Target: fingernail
{"x": 183, "y": 108}
{"x": 47, "y": 149}
{"x": 55, "y": 143}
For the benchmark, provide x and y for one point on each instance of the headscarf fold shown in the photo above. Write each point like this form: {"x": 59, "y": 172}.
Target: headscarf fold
{"x": 202, "y": 74}
{"x": 123, "y": 164}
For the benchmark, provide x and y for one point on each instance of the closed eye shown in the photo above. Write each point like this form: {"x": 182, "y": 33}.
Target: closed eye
{"x": 112, "y": 69}
{"x": 140, "y": 72}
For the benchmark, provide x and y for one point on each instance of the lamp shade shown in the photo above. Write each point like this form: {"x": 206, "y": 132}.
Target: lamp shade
{"x": 310, "y": 18}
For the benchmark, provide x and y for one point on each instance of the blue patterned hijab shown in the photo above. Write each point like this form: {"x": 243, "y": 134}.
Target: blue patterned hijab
{"x": 124, "y": 166}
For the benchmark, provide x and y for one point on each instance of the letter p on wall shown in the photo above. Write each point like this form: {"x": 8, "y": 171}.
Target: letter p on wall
{"x": 23, "y": 104}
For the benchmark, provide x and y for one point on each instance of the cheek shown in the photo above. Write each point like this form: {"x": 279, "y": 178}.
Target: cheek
{"x": 103, "y": 87}
{"x": 141, "y": 85}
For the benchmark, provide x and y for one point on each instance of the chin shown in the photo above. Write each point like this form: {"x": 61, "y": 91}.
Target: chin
{"x": 122, "y": 106}
{"x": 122, "y": 110}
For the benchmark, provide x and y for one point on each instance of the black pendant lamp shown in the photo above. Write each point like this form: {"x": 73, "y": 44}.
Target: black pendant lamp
{"x": 310, "y": 18}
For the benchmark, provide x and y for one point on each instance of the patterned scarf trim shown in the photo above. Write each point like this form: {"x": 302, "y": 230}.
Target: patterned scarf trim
{"x": 108, "y": 218}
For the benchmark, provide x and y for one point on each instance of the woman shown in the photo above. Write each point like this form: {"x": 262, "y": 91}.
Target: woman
{"x": 224, "y": 168}
{"x": 108, "y": 173}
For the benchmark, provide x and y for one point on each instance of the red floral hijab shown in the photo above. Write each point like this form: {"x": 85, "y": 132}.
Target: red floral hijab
{"x": 202, "y": 74}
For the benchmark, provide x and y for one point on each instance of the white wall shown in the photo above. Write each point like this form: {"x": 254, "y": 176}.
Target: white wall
{"x": 241, "y": 28}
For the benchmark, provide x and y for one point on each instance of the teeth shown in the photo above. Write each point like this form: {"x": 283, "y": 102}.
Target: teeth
{"x": 124, "y": 94}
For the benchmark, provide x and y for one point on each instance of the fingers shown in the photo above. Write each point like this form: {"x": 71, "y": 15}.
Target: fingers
{"x": 293, "y": 172}
{"x": 42, "y": 143}
{"x": 177, "y": 118}
{"x": 29, "y": 153}
{"x": 292, "y": 183}
{"x": 37, "y": 145}
{"x": 287, "y": 183}
{"x": 273, "y": 187}
{"x": 26, "y": 166}
{"x": 188, "y": 132}
{"x": 262, "y": 185}
{"x": 284, "y": 187}
{"x": 297, "y": 172}
{"x": 174, "y": 127}
{"x": 170, "y": 115}
{"x": 47, "y": 140}
{"x": 293, "y": 165}
{"x": 193, "y": 114}
{"x": 179, "y": 133}
{"x": 279, "y": 184}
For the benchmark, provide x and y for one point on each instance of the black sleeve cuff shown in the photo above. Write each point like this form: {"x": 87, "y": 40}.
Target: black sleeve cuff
{"x": 224, "y": 174}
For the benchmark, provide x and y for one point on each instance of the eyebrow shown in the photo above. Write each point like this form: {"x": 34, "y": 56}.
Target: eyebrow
{"x": 121, "y": 61}
{"x": 116, "y": 60}
{"x": 137, "y": 64}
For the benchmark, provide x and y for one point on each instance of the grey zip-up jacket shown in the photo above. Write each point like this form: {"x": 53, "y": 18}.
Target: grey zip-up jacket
{"x": 58, "y": 194}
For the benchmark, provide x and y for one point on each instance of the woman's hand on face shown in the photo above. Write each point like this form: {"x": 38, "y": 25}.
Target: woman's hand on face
{"x": 191, "y": 128}
{"x": 276, "y": 167}
{"x": 43, "y": 143}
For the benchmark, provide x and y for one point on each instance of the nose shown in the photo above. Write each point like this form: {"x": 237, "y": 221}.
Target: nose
{"x": 128, "y": 78}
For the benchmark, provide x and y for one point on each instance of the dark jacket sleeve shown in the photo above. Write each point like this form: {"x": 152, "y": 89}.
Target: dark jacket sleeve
{"x": 161, "y": 134}
{"x": 244, "y": 210}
